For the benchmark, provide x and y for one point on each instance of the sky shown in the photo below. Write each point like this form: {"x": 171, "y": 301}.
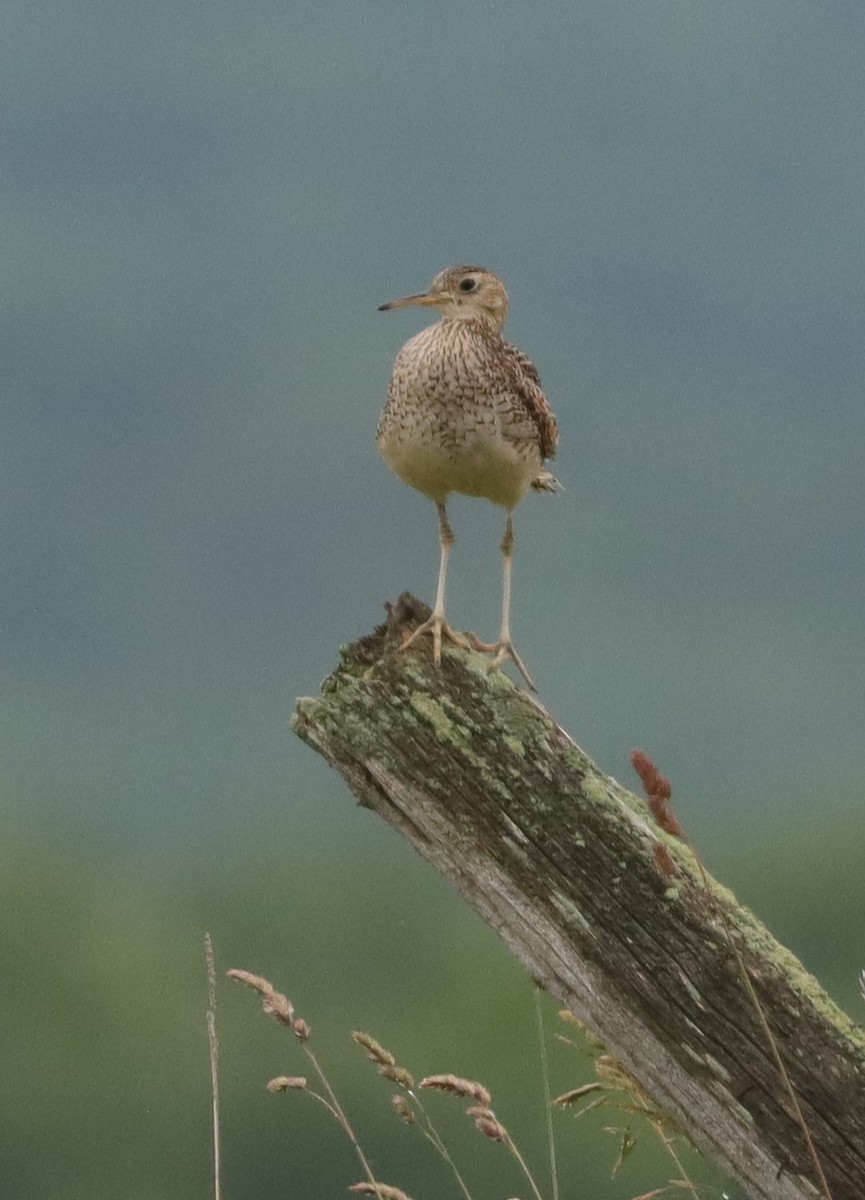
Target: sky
{"x": 203, "y": 207}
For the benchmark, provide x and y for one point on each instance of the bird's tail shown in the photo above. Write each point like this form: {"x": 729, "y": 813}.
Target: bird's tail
{"x": 546, "y": 482}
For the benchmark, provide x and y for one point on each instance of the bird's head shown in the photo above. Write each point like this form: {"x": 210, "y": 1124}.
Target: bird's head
{"x": 462, "y": 294}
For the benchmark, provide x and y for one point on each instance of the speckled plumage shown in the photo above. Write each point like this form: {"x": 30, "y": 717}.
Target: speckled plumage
{"x": 465, "y": 412}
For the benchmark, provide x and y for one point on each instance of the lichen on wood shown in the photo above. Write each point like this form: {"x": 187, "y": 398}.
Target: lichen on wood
{"x": 565, "y": 864}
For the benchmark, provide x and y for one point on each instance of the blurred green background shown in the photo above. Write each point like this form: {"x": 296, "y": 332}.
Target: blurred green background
{"x": 203, "y": 204}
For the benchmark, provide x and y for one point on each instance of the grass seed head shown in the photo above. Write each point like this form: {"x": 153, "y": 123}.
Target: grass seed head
{"x": 287, "y": 1083}
{"x": 274, "y": 1003}
{"x": 383, "y": 1190}
{"x": 469, "y": 1089}
{"x": 374, "y": 1049}
{"x": 398, "y": 1075}
{"x": 402, "y": 1108}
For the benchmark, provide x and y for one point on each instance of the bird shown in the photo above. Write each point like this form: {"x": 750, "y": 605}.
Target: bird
{"x": 465, "y": 413}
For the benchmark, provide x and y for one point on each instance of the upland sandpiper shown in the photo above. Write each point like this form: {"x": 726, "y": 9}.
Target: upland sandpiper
{"x": 465, "y": 413}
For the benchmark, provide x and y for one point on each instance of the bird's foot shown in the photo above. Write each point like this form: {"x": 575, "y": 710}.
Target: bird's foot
{"x": 503, "y": 651}
{"x": 438, "y": 627}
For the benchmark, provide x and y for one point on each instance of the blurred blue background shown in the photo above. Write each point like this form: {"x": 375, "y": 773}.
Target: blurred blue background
{"x": 203, "y": 205}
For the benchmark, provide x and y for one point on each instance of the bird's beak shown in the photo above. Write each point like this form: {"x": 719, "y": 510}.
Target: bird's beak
{"x": 424, "y": 299}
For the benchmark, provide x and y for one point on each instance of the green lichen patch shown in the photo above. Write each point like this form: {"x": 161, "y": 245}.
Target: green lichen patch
{"x": 446, "y": 730}
{"x": 577, "y": 759}
{"x": 478, "y": 665}
{"x": 306, "y": 709}
{"x": 514, "y": 745}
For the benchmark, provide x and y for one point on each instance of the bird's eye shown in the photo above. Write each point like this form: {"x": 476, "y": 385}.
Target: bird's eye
{"x": 468, "y": 285}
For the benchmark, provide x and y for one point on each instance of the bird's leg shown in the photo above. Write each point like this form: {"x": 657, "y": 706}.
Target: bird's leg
{"x": 436, "y": 624}
{"x": 504, "y": 649}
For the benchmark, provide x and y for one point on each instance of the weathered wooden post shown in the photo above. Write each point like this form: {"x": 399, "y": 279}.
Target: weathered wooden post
{"x": 563, "y": 862}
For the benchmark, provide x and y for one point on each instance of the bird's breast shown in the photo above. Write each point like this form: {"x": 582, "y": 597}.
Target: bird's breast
{"x": 448, "y": 425}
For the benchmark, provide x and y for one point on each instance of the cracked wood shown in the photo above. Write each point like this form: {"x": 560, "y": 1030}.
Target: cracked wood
{"x": 562, "y": 861}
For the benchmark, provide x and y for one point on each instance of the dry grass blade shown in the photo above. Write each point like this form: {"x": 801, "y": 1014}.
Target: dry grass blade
{"x": 548, "y": 1103}
{"x": 571, "y": 1097}
{"x": 278, "y": 1006}
{"x": 408, "y": 1107}
{"x": 213, "y": 1043}
{"x": 627, "y": 1142}
{"x": 617, "y": 1089}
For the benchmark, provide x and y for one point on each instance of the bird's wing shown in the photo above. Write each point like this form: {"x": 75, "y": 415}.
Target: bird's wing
{"x": 527, "y": 388}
